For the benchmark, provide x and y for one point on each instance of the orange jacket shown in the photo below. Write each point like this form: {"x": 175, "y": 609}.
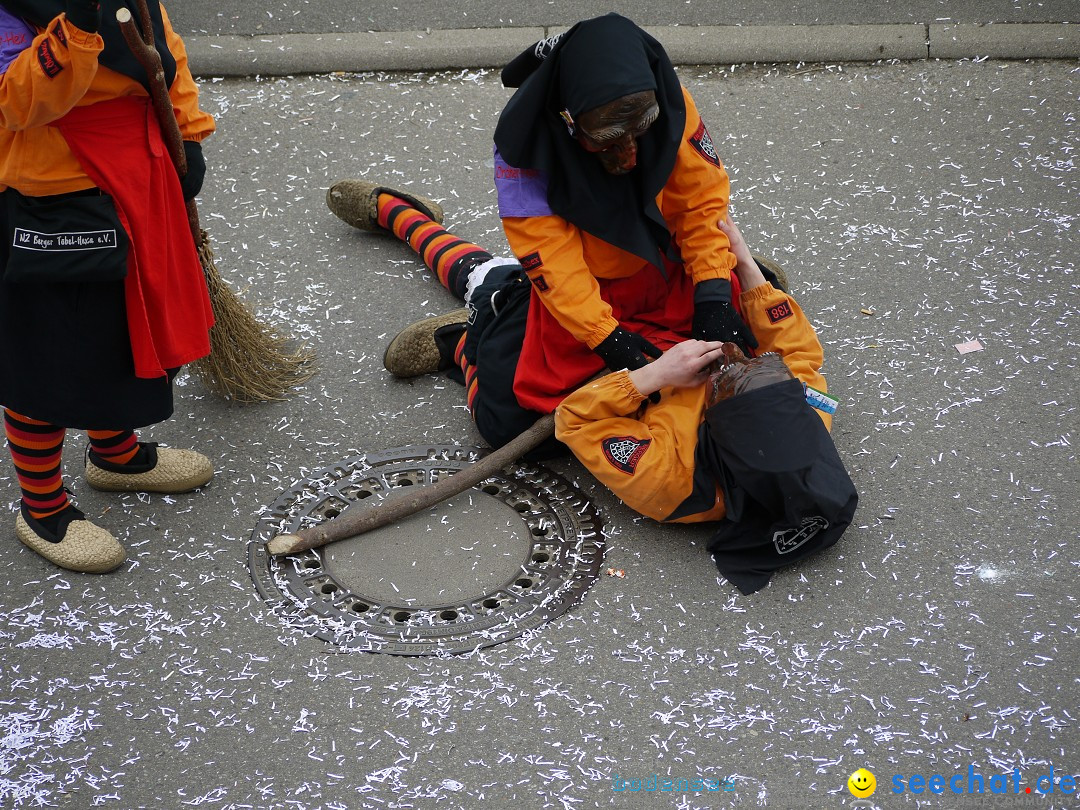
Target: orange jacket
{"x": 693, "y": 201}
{"x": 612, "y": 408}
{"x": 34, "y": 157}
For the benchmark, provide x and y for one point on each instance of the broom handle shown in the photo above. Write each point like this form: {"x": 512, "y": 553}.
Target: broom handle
{"x": 354, "y": 521}
{"x": 142, "y": 46}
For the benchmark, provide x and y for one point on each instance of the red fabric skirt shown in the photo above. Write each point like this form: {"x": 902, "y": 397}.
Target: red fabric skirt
{"x": 553, "y": 362}
{"x": 118, "y": 143}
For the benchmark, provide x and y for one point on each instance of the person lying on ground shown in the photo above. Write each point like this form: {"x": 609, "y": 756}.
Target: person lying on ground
{"x": 731, "y": 439}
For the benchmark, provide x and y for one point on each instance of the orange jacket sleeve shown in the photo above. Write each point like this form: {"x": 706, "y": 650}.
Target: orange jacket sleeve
{"x": 646, "y": 457}
{"x": 695, "y": 199}
{"x": 552, "y": 251}
{"x": 34, "y": 91}
{"x": 195, "y": 124}
{"x": 49, "y": 77}
{"x": 645, "y": 454}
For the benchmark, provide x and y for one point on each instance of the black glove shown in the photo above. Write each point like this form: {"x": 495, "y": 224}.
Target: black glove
{"x": 622, "y": 349}
{"x": 716, "y": 319}
{"x": 84, "y": 14}
{"x": 191, "y": 183}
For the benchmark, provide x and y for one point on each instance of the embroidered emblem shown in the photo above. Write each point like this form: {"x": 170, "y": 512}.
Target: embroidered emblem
{"x": 701, "y": 141}
{"x": 521, "y": 192}
{"x": 53, "y": 242}
{"x": 532, "y": 262}
{"x": 542, "y": 49}
{"x": 779, "y": 312}
{"x": 788, "y": 540}
{"x": 539, "y": 283}
{"x": 624, "y": 452}
{"x": 47, "y": 60}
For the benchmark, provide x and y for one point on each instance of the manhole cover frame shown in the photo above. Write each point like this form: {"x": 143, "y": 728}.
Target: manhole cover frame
{"x": 563, "y": 561}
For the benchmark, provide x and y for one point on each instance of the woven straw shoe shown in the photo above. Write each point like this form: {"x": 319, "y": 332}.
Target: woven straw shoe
{"x": 175, "y": 471}
{"x": 414, "y": 350}
{"x": 357, "y": 202}
{"x": 85, "y": 547}
{"x": 769, "y": 266}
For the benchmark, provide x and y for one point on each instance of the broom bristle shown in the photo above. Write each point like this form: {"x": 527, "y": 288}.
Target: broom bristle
{"x": 248, "y": 361}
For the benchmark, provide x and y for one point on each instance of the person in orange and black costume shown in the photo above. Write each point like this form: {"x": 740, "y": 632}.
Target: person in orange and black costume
{"x": 611, "y": 193}
{"x": 102, "y": 297}
{"x": 740, "y": 443}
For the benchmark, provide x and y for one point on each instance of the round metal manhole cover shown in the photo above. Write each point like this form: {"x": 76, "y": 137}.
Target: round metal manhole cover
{"x": 497, "y": 561}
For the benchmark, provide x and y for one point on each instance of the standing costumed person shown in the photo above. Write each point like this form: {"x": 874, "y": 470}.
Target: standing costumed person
{"x": 102, "y": 297}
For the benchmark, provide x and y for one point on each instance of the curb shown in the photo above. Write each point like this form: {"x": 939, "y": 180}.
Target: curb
{"x": 292, "y": 54}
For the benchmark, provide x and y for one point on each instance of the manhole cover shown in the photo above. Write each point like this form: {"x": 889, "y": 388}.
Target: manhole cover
{"x": 515, "y": 551}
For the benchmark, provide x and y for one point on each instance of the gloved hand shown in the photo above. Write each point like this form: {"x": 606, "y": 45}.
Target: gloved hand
{"x": 191, "y": 183}
{"x": 84, "y": 14}
{"x": 716, "y": 319}
{"x": 622, "y": 349}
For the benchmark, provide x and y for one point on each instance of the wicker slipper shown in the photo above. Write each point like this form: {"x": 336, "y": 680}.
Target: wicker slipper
{"x": 84, "y": 546}
{"x": 357, "y": 202}
{"x": 771, "y": 268}
{"x": 414, "y": 351}
{"x": 170, "y": 471}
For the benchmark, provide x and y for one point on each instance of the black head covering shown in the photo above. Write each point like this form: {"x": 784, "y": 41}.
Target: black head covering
{"x": 595, "y": 62}
{"x": 116, "y": 56}
{"x": 786, "y": 491}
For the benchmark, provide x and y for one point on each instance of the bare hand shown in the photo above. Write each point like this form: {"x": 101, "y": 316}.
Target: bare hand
{"x": 682, "y": 366}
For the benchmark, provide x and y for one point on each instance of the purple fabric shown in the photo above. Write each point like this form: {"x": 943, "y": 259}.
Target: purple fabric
{"x": 15, "y": 37}
{"x": 521, "y": 192}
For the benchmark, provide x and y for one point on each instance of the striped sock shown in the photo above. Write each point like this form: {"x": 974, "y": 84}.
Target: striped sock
{"x": 471, "y": 385}
{"x": 450, "y": 258}
{"x": 116, "y": 446}
{"x": 37, "y": 448}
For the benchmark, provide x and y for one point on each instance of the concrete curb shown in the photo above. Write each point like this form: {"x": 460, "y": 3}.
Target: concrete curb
{"x": 1005, "y": 41}
{"x": 292, "y": 54}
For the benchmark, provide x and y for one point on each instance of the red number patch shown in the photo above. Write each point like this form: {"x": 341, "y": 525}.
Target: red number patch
{"x": 779, "y": 312}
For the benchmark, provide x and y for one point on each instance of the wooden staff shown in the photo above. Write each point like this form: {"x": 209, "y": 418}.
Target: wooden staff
{"x": 247, "y": 362}
{"x": 363, "y": 517}
{"x": 142, "y": 45}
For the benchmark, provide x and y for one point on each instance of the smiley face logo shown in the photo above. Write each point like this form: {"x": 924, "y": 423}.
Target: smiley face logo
{"x": 862, "y": 784}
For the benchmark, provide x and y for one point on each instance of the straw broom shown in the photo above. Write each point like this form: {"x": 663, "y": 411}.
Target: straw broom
{"x": 248, "y": 361}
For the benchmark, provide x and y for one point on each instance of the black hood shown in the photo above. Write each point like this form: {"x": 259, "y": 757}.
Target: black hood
{"x": 595, "y": 62}
{"x": 786, "y": 491}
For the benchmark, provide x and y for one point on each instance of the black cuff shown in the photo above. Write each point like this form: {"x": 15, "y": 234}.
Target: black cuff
{"x": 712, "y": 290}
{"x": 191, "y": 183}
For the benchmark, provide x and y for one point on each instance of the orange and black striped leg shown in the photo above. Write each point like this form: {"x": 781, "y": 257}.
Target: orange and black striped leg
{"x": 116, "y": 447}
{"x": 37, "y": 448}
{"x": 468, "y": 371}
{"x": 449, "y": 257}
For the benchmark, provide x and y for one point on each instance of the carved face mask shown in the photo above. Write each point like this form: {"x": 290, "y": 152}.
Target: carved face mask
{"x": 735, "y": 373}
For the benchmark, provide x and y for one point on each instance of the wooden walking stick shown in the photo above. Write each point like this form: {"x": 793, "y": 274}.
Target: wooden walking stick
{"x": 363, "y": 517}
{"x": 248, "y": 361}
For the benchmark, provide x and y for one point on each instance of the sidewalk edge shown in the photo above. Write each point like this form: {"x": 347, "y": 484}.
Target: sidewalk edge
{"x": 292, "y": 54}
